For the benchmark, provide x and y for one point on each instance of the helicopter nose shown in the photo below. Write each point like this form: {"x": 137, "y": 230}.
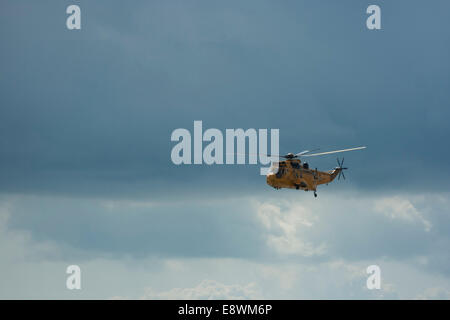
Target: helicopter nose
{"x": 270, "y": 179}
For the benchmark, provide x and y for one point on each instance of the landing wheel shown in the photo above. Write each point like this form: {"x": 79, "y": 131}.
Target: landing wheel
{"x": 315, "y": 194}
{"x": 297, "y": 186}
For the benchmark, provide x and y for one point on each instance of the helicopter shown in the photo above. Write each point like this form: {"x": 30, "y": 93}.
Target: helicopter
{"x": 293, "y": 174}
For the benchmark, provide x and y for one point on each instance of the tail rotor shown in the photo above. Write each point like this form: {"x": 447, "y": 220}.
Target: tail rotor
{"x": 341, "y": 169}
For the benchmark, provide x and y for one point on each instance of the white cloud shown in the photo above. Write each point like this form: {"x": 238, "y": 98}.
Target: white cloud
{"x": 284, "y": 227}
{"x": 207, "y": 290}
{"x": 402, "y": 209}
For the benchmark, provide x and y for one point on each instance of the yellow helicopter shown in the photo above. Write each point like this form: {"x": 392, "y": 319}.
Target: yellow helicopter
{"x": 292, "y": 173}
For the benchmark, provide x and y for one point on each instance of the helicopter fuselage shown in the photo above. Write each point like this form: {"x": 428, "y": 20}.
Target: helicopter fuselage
{"x": 293, "y": 174}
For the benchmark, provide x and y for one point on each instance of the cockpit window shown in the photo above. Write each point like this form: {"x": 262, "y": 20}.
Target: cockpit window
{"x": 295, "y": 165}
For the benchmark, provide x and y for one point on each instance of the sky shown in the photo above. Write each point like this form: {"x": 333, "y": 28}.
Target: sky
{"x": 86, "y": 176}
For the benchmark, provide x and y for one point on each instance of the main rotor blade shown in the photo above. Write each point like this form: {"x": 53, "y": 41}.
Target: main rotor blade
{"x": 305, "y": 152}
{"x": 335, "y": 151}
{"x": 256, "y": 154}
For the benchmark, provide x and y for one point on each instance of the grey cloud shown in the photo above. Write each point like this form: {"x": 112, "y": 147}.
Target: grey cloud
{"x": 402, "y": 228}
{"x": 132, "y": 240}
{"x": 104, "y": 228}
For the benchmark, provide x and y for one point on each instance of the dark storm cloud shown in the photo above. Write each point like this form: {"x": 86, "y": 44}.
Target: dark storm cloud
{"x": 91, "y": 111}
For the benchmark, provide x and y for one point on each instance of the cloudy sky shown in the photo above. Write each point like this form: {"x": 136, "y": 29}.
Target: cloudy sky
{"x": 86, "y": 176}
